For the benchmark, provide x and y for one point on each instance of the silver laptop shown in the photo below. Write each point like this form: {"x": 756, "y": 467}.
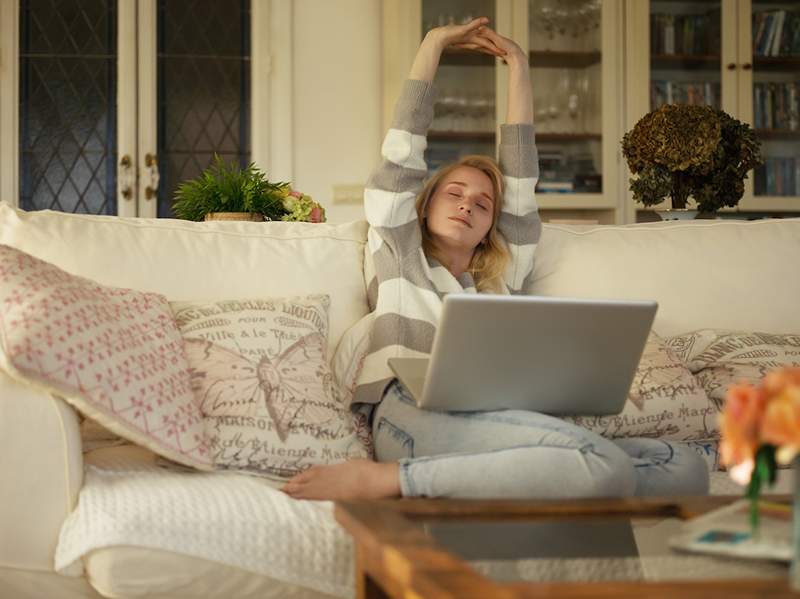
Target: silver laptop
{"x": 553, "y": 355}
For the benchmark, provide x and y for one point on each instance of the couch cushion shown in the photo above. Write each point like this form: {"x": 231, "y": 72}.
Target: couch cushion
{"x": 709, "y": 274}
{"x": 210, "y": 261}
{"x": 261, "y": 378}
{"x": 127, "y": 572}
{"x": 42, "y": 472}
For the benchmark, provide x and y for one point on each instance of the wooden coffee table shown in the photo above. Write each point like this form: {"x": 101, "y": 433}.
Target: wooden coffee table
{"x": 398, "y": 554}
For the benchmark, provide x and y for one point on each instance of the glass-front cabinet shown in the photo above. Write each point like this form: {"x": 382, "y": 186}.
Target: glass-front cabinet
{"x": 742, "y": 56}
{"x": 574, "y": 48}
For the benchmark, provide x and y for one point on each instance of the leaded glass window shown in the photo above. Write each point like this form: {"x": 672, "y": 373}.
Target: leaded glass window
{"x": 68, "y": 74}
{"x": 203, "y": 89}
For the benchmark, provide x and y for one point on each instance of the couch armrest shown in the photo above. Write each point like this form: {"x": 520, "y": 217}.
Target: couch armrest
{"x": 41, "y": 469}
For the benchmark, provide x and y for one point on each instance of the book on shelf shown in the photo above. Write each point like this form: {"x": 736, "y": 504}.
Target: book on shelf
{"x": 776, "y": 33}
{"x": 778, "y": 176}
{"x": 689, "y": 34}
{"x": 684, "y": 92}
{"x": 776, "y": 105}
{"x": 555, "y": 186}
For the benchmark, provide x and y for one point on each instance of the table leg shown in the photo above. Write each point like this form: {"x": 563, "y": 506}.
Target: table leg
{"x": 366, "y": 587}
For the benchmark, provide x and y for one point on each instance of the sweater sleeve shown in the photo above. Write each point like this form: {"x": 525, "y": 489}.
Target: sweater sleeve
{"x": 519, "y": 221}
{"x": 392, "y": 189}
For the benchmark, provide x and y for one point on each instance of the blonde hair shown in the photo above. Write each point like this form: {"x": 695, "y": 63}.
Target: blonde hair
{"x": 490, "y": 258}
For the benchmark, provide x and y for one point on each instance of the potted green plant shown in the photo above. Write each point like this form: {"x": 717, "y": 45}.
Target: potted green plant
{"x": 681, "y": 151}
{"x": 225, "y": 191}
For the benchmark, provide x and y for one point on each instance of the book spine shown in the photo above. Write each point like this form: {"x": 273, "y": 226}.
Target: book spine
{"x": 776, "y": 44}
{"x": 669, "y": 36}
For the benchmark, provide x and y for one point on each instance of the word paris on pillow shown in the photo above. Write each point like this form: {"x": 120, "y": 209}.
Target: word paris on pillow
{"x": 115, "y": 354}
{"x": 260, "y": 374}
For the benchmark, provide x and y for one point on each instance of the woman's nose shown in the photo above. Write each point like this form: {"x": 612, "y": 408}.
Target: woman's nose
{"x": 466, "y": 208}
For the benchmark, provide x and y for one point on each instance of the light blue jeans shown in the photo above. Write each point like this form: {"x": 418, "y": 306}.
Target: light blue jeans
{"x": 522, "y": 454}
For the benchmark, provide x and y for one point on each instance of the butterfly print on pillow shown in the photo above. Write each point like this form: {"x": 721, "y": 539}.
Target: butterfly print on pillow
{"x": 294, "y": 388}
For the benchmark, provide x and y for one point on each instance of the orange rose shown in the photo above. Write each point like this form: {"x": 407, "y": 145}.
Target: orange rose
{"x": 740, "y": 427}
{"x": 781, "y": 424}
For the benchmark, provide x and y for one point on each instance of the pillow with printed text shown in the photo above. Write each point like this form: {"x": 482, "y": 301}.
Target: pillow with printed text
{"x": 260, "y": 374}
{"x": 719, "y": 358}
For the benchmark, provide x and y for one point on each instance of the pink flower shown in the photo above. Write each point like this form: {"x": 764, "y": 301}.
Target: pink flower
{"x": 295, "y": 194}
{"x": 317, "y": 215}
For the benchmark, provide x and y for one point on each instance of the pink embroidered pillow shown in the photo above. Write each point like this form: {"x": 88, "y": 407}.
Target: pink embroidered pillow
{"x": 115, "y": 354}
{"x": 261, "y": 377}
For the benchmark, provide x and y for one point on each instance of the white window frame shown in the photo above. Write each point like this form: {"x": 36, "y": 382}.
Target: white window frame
{"x": 9, "y": 108}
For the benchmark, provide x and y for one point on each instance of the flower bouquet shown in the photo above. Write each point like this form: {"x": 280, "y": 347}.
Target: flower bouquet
{"x": 760, "y": 429}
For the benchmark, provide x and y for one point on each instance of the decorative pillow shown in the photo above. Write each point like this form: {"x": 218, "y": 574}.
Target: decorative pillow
{"x": 664, "y": 402}
{"x": 261, "y": 377}
{"x": 349, "y": 357}
{"x": 719, "y": 359}
{"x": 115, "y": 354}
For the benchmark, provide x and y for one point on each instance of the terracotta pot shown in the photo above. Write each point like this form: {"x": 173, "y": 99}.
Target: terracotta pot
{"x": 247, "y": 216}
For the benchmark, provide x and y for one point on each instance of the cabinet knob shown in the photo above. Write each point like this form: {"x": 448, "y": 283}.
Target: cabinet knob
{"x": 731, "y": 66}
{"x": 747, "y": 66}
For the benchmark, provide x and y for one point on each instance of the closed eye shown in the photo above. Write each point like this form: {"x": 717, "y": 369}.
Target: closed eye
{"x": 455, "y": 195}
{"x": 483, "y": 207}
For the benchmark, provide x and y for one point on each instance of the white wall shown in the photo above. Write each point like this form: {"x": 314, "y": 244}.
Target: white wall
{"x": 337, "y": 98}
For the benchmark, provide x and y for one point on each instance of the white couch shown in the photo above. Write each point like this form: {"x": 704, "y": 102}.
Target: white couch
{"x": 720, "y": 274}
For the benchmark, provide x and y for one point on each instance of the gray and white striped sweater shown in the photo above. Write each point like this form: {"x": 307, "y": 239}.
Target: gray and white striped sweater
{"x": 405, "y": 287}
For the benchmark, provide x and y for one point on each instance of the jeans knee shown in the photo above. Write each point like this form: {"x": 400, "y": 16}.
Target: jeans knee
{"x": 693, "y": 476}
{"x": 610, "y": 473}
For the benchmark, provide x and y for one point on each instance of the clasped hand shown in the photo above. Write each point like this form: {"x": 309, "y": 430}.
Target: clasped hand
{"x": 478, "y": 37}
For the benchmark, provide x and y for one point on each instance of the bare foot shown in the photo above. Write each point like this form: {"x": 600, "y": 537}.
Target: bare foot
{"x": 353, "y": 479}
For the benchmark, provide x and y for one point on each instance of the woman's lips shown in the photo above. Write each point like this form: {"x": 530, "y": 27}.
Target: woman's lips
{"x": 461, "y": 220}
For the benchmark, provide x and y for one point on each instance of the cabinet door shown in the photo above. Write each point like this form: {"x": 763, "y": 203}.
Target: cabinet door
{"x": 769, "y": 71}
{"x": 575, "y": 54}
{"x": 201, "y": 104}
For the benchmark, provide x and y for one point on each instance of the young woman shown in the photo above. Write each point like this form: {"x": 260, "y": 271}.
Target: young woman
{"x": 472, "y": 228}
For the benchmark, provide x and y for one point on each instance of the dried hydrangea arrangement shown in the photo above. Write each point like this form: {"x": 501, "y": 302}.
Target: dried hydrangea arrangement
{"x": 680, "y": 150}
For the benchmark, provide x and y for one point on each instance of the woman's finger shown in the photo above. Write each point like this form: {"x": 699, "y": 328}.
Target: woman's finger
{"x": 479, "y": 48}
{"x": 482, "y": 42}
{"x": 486, "y": 43}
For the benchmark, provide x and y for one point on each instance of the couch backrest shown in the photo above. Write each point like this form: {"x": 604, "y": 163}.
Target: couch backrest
{"x": 719, "y": 274}
{"x": 196, "y": 261}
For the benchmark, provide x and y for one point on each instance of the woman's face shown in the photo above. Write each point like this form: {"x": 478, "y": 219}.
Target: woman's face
{"x": 461, "y": 211}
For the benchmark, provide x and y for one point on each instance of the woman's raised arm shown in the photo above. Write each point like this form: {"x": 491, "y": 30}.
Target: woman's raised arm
{"x": 520, "y": 95}
{"x": 519, "y": 224}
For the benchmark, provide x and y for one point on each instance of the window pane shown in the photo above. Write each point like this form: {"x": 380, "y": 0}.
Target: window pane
{"x": 566, "y": 73}
{"x": 68, "y": 73}
{"x": 203, "y": 89}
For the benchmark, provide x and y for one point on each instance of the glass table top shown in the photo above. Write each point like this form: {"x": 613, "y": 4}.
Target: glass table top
{"x": 588, "y": 550}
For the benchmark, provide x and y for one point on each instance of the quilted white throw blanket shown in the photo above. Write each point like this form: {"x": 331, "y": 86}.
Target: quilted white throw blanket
{"x": 247, "y": 523}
